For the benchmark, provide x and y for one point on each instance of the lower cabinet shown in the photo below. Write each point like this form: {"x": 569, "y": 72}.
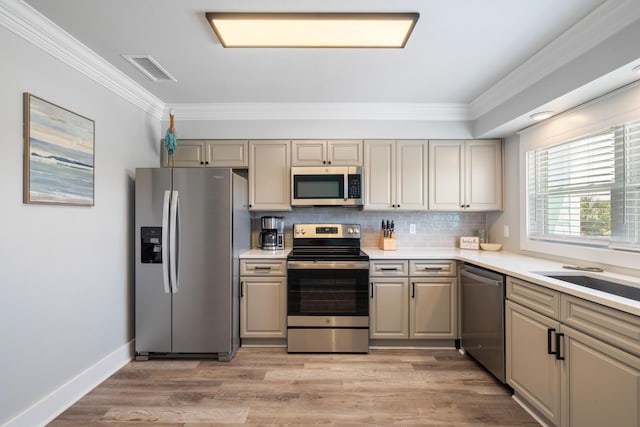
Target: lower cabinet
{"x": 572, "y": 377}
{"x": 263, "y": 299}
{"x": 531, "y": 370}
{"x": 389, "y": 311}
{"x": 415, "y": 306}
{"x": 601, "y": 384}
{"x": 432, "y": 308}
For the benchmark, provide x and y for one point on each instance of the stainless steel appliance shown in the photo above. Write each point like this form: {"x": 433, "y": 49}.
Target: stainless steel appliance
{"x": 327, "y": 290}
{"x": 326, "y": 185}
{"x": 482, "y": 337}
{"x": 190, "y": 226}
{"x": 272, "y": 233}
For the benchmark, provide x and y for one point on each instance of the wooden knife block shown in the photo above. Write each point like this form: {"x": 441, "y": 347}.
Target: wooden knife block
{"x": 387, "y": 243}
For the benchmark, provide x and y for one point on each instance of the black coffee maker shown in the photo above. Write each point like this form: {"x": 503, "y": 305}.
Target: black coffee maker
{"x": 272, "y": 234}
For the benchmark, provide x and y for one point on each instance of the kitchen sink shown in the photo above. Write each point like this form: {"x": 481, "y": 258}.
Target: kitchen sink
{"x": 598, "y": 284}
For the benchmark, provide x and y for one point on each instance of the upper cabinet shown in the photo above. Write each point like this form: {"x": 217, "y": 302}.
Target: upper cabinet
{"x": 323, "y": 152}
{"x": 465, "y": 175}
{"x": 395, "y": 174}
{"x": 269, "y": 175}
{"x": 208, "y": 153}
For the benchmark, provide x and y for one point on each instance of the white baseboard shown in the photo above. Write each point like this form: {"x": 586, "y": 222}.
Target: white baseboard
{"x": 56, "y": 402}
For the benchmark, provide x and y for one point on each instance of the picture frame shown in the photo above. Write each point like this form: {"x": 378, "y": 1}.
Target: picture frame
{"x": 470, "y": 242}
{"x": 59, "y": 154}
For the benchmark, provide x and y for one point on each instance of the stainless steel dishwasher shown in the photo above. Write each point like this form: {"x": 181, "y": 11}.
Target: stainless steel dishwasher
{"x": 482, "y": 337}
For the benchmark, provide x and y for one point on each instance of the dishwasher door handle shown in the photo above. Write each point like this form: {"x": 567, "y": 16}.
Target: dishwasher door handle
{"x": 485, "y": 280}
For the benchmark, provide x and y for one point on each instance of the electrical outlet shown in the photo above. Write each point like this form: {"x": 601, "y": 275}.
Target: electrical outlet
{"x": 505, "y": 231}
{"x": 412, "y": 229}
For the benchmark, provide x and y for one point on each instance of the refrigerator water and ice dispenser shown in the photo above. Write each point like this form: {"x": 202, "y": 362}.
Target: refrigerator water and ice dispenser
{"x": 151, "y": 245}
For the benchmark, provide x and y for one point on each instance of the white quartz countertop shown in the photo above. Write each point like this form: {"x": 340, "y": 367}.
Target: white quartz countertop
{"x": 522, "y": 267}
{"x": 261, "y": 253}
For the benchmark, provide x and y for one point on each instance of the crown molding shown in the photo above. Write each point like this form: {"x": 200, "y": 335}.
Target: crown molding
{"x": 600, "y": 24}
{"x": 31, "y": 25}
{"x": 321, "y": 111}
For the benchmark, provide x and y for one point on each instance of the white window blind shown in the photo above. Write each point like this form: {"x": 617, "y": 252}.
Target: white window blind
{"x": 587, "y": 190}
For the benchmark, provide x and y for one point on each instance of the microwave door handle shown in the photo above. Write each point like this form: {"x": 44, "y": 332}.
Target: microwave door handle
{"x": 346, "y": 187}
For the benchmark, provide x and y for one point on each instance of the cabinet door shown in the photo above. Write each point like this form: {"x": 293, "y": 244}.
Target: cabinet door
{"x": 411, "y": 178}
{"x": 231, "y": 154}
{"x": 379, "y": 171}
{"x": 308, "y": 153}
{"x": 388, "y": 311}
{"x": 188, "y": 154}
{"x": 433, "y": 308}
{"x": 601, "y": 384}
{"x": 531, "y": 370}
{"x": 446, "y": 164}
{"x": 344, "y": 152}
{"x": 269, "y": 176}
{"x": 263, "y": 311}
{"x": 483, "y": 175}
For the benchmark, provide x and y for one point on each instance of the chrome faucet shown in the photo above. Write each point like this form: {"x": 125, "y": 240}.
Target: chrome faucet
{"x": 591, "y": 269}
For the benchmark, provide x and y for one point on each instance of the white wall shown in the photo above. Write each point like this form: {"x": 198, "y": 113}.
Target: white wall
{"x": 319, "y": 129}
{"x": 510, "y": 216}
{"x": 66, "y": 273}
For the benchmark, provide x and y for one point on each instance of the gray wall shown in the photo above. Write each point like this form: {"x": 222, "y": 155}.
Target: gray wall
{"x": 66, "y": 273}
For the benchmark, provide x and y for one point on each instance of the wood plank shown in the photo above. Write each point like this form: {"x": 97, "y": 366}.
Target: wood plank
{"x": 269, "y": 386}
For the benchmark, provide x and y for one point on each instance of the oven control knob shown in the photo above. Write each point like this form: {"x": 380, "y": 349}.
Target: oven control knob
{"x": 350, "y": 230}
{"x": 303, "y": 231}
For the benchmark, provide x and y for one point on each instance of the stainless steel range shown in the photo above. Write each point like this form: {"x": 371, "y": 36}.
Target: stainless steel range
{"x": 327, "y": 290}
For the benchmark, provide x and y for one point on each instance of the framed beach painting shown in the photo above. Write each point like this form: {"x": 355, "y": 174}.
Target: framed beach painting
{"x": 58, "y": 154}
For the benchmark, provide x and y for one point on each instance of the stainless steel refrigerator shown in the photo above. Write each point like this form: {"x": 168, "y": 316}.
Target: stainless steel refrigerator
{"x": 191, "y": 225}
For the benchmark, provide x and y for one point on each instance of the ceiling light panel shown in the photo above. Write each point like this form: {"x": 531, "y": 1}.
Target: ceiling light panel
{"x": 313, "y": 30}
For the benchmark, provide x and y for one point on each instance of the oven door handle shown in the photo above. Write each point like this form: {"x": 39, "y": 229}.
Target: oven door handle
{"x": 328, "y": 265}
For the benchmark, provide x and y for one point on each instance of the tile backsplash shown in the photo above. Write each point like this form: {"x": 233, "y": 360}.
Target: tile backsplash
{"x": 433, "y": 229}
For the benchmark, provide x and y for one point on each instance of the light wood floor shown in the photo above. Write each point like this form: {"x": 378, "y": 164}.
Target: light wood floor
{"x": 270, "y": 387}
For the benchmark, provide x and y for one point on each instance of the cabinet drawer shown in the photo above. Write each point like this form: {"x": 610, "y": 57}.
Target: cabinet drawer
{"x": 538, "y": 298}
{"x": 263, "y": 267}
{"x": 607, "y": 324}
{"x": 432, "y": 268}
{"x": 389, "y": 268}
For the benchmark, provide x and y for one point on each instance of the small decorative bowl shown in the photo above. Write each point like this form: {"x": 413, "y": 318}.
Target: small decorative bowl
{"x": 491, "y": 246}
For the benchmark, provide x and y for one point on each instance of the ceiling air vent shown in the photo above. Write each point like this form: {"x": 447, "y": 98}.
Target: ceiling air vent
{"x": 150, "y": 68}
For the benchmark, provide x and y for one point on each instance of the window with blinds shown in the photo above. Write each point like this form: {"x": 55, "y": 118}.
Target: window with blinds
{"x": 587, "y": 191}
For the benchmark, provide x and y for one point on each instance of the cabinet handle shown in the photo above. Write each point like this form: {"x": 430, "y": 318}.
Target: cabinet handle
{"x": 398, "y": 206}
{"x": 202, "y": 163}
{"x": 413, "y": 289}
{"x": 558, "y": 352}
{"x": 241, "y": 289}
{"x": 550, "y": 332}
{"x": 434, "y": 268}
{"x": 389, "y": 268}
{"x": 371, "y": 289}
{"x": 260, "y": 267}
{"x": 329, "y": 162}
{"x": 206, "y": 163}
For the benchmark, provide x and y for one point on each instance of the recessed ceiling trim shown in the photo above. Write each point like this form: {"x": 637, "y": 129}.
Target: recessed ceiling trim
{"x": 600, "y": 24}
{"x": 313, "y": 30}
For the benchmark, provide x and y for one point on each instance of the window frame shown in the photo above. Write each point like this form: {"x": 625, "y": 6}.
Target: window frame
{"x": 615, "y": 108}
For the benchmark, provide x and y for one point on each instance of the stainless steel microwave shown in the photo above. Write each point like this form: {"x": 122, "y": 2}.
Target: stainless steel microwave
{"x": 326, "y": 186}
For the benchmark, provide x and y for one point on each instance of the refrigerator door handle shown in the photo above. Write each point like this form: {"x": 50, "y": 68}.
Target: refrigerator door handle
{"x": 165, "y": 241}
{"x": 174, "y": 240}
